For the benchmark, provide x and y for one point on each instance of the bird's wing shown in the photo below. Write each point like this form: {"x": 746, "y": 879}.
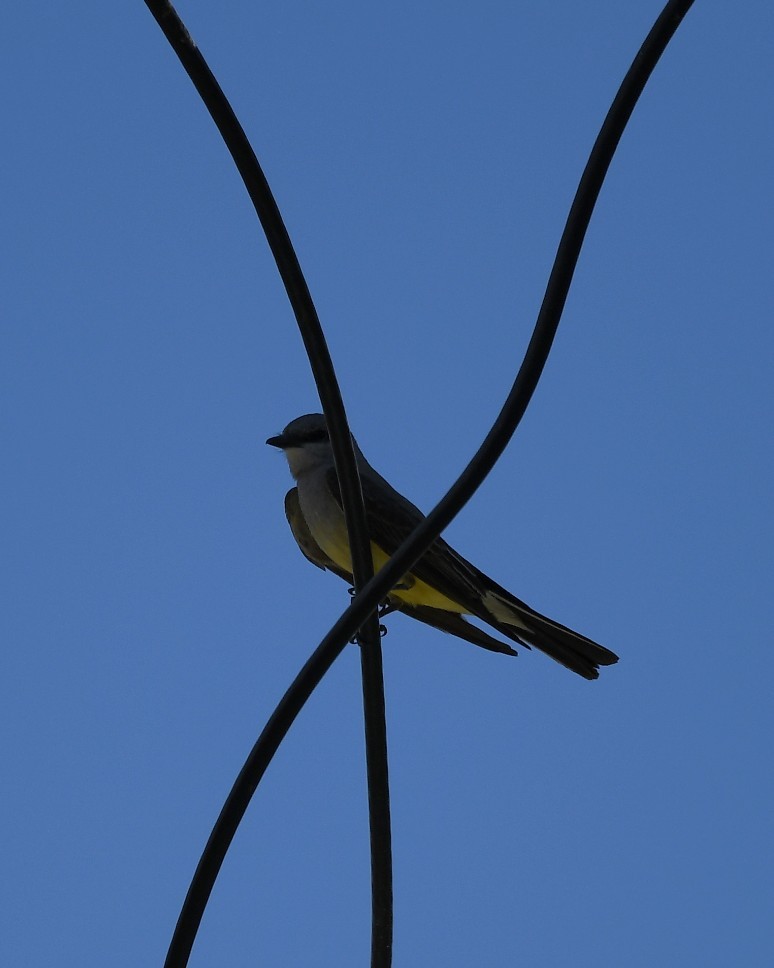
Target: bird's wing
{"x": 391, "y": 519}
{"x": 434, "y": 617}
{"x": 309, "y": 547}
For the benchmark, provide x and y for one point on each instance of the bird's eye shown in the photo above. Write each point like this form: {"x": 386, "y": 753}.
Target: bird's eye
{"x": 317, "y": 435}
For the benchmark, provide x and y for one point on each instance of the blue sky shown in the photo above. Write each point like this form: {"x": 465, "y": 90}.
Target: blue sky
{"x": 155, "y": 606}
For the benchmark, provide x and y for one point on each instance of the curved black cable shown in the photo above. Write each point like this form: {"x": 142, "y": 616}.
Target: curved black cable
{"x": 352, "y": 499}
{"x": 460, "y": 492}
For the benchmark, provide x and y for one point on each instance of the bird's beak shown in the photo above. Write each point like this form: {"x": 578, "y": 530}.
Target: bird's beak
{"x": 278, "y": 441}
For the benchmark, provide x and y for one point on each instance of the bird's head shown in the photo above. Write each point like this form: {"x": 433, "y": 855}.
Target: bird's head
{"x": 305, "y": 442}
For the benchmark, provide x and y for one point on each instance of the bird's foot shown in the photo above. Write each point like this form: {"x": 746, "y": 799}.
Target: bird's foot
{"x": 382, "y": 633}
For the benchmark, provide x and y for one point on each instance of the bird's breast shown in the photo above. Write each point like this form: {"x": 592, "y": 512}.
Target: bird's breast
{"x": 325, "y": 520}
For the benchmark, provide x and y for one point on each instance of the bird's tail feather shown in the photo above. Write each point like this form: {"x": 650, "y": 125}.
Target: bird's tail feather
{"x": 571, "y": 649}
{"x": 455, "y": 624}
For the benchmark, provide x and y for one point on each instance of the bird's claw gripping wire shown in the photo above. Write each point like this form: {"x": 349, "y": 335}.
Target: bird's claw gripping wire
{"x": 385, "y": 607}
{"x": 382, "y": 632}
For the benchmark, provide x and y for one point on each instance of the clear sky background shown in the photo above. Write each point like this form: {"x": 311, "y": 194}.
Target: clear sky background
{"x": 155, "y": 607}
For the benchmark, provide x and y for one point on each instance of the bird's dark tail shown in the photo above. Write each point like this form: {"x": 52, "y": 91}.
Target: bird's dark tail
{"x": 522, "y": 624}
{"x": 455, "y": 624}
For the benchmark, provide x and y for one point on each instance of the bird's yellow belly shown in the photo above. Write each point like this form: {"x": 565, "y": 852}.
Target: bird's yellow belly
{"x": 417, "y": 592}
{"x": 421, "y": 593}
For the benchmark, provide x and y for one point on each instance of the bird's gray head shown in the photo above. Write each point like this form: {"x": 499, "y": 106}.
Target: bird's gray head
{"x": 305, "y": 442}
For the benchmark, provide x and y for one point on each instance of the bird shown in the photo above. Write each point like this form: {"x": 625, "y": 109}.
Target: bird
{"x": 442, "y": 587}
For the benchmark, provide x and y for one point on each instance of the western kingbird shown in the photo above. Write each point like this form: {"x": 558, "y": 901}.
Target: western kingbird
{"x": 442, "y": 587}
